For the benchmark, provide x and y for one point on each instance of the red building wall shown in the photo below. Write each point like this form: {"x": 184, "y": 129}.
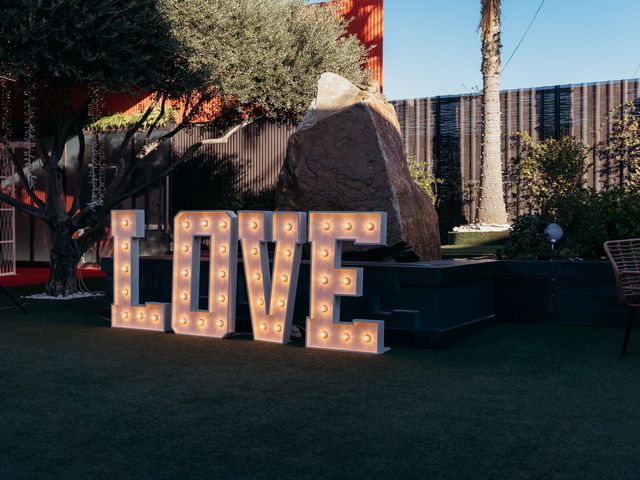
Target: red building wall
{"x": 367, "y": 24}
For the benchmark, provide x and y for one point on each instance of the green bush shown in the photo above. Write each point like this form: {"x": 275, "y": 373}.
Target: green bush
{"x": 588, "y": 218}
{"x": 424, "y": 177}
{"x": 547, "y": 171}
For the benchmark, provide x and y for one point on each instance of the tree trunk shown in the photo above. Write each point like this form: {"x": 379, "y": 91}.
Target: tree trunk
{"x": 491, "y": 205}
{"x": 65, "y": 256}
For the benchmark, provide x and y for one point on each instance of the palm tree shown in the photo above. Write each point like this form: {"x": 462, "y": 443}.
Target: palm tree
{"x": 491, "y": 205}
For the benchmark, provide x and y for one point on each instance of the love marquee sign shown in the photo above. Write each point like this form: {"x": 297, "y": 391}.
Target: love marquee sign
{"x": 271, "y": 294}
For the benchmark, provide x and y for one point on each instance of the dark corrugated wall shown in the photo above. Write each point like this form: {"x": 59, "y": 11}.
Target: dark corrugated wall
{"x": 219, "y": 174}
{"x": 445, "y": 132}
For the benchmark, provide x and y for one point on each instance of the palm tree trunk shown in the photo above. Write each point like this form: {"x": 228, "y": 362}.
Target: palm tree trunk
{"x": 491, "y": 205}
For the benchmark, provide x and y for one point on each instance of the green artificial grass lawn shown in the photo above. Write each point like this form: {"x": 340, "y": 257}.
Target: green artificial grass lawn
{"x": 82, "y": 400}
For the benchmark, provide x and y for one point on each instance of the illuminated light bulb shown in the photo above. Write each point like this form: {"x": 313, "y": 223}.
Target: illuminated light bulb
{"x": 183, "y": 320}
{"x": 185, "y": 272}
{"x": 184, "y": 296}
{"x": 283, "y": 278}
{"x": 281, "y": 303}
{"x": 201, "y": 322}
{"x": 124, "y": 315}
{"x": 324, "y": 308}
{"x": 263, "y": 326}
{"x": 221, "y": 298}
{"x": 348, "y": 226}
{"x": 125, "y": 269}
{"x": 223, "y": 224}
{"x": 278, "y": 328}
{"x": 125, "y": 223}
{"x": 204, "y": 223}
{"x": 185, "y": 248}
{"x": 324, "y": 280}
{"x": 186, "y": 224}
{"x": 140, "y": 316}
{"x": 125, "y": 291}
{"x": 256, "y": 276}
{"x": 288, "y": 227}
{"x": 367, "y": 338}
{"x": 254, "y": 251}
{"x": 346, "y": 280}
{"x": 223, "y": 249}
{"x": 287, "y": 253}
{"x": 222, "y": 274}
{"x": 220, "y": 323}
{"x": 346, "y": 337}
{"x": 125, "y": 246}
{"x": 155, "y": 317}
{"x": 326, "y": 225}
{"x": 253, "y": 225}
{"x": 325, "y": 252}
{"x": 370, "y": 226}
{"x": 260, "y": 301}
{"x": 324, "y": 334}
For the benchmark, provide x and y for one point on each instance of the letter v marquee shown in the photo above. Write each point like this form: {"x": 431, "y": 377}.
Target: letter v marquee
{"x": 271, "y": 301}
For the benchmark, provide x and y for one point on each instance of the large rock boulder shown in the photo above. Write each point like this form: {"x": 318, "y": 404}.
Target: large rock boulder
{"x": 347, "y": 155}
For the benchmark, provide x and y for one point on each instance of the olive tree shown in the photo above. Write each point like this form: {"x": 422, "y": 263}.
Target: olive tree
{"x": 260, "y": 59}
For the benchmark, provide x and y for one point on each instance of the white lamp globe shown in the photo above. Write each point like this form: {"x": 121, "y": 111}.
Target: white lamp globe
{"x": 553, "y": 232}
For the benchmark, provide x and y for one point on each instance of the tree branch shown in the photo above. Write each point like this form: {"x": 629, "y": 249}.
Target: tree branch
{"x": 76, "y": 194}
{"x": 35, "y": 212}
{"x": 225, "y": 138}
{"x": 157, "y": 120}
{"x": 140, "y": 188}
{"x": 22, "y": 176}
{"x": 131, "y": 132}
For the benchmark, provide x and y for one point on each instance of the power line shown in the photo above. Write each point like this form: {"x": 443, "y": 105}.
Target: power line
{"x": 523, "y": 35}
{"x": 635, "y": 71}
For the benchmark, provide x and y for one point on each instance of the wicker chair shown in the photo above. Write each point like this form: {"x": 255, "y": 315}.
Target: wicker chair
{"x": 624, "y": 256}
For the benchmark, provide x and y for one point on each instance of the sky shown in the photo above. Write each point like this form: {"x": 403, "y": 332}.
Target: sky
{"x": 432, "y": 47}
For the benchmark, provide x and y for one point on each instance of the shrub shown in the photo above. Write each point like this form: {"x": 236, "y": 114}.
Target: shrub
{"x": 547, "y": 171}
{"x": 588, "y": 218}
{"x": 620, "y": 152}
{"x": 424, "y": 177}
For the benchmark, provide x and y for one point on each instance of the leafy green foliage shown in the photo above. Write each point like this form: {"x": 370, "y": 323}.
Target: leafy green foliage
{"x": 588, "y": 218}
{"x": 620, "y": 154}
{"x": 259, "y": 55}
{"x": 424, "y": 177}
{"x": 267, "y": 54}
{"x": 549, "y": 177}
{"x": 127, "y": 120}
{"x": 112, "y": 42}
{"x": 547, "y": 171}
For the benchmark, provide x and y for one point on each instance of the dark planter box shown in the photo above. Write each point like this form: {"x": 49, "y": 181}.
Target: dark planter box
{"x": 422, "y": 304}
{"x": 560, "y": 292}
